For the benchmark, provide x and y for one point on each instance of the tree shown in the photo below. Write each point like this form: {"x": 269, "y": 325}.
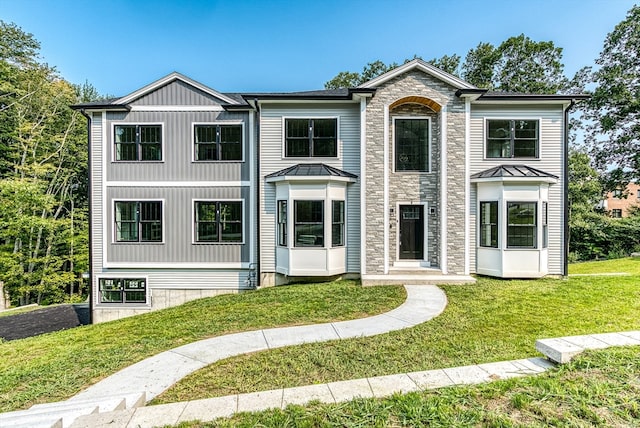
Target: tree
{"x": 614, "y": 109}
{"x": 43, "y": 172}
{"x": 349, "y": 79}
{"x": 519, "y": 64}
{"x": 447, "y": 63}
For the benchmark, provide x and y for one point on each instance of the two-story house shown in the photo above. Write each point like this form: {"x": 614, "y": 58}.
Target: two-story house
{"x": 413, "y": 177}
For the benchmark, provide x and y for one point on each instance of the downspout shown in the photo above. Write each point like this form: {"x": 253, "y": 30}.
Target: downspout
{"x": 89, "y": 186}
{"x": 257, "y": 190}
{"x": 565, "y": 270}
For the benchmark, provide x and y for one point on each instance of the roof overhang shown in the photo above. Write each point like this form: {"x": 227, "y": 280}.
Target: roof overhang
{"x": 536, "y": 180}
{"x": 308, "y": 179}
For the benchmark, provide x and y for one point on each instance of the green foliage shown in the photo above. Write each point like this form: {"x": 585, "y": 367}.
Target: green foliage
{"x": 43, "y": 175}
{"x": 447, "y": 63}
{"x": 614, "y": 109}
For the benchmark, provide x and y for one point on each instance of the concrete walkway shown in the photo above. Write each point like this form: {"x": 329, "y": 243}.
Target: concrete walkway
{"x": 156, "y": 374}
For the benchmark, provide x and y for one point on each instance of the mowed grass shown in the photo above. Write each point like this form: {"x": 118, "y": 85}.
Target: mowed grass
{"x": 493, "y": 320}
{"x": 599, "y": 388}
{"x": 628, "y": 265}
{"x": 58, "y": 365}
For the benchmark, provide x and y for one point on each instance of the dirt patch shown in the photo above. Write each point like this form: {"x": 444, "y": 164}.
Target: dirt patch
{"x": 43, "y": 320}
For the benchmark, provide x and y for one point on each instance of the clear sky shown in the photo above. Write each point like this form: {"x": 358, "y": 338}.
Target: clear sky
{"x": 283, "y": 45}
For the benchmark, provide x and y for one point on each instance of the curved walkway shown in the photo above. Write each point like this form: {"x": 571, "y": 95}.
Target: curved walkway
{"x": 156, "y": 374}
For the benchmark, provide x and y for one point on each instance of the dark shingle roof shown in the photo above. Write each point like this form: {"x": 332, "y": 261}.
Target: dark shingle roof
{"x": 513, "y": 171}
{"x": 311, "y": 170}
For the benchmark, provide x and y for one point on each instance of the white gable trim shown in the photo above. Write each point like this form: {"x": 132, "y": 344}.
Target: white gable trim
{"x": 422, "y": 66}
{"x": 168, "y": 79}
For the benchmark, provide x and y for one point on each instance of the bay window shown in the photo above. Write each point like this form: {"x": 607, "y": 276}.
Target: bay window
{"x": 337, "y": 223}
{"x": 489, "y": 224}
{"x": 308, "y": 227}
{"x": 521, "y": 225}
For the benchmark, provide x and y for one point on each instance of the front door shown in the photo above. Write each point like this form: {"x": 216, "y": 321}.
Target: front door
{"x": 411, "y": 232}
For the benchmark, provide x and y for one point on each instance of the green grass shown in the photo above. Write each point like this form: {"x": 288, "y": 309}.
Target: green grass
{"x": 629, "y": 265}
{"x": 493, "y": 320}
{"x": 599, "y": 388}
{"x": 58, "y": 365}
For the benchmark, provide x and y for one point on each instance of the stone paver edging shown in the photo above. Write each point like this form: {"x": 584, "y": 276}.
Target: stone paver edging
{"x": 156, "y": 374}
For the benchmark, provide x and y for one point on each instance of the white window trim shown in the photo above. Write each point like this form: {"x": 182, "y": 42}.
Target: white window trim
{"x": 193, "y": 221}
{"x": 429, "y": 144}
{"x": 122, "y": 305}
{"x": 114, "y": 237}
{"x": 425, "y": 252}
{"x": 309, "y": 159}
{"x": 485, "y": 131}
{"x": 217, "y": 122}
{"x": 113, "y": 142}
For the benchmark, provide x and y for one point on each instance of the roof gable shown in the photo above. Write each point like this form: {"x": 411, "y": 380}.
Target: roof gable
{"x": 418, "y": 64}
{"x": 173, "y": 77}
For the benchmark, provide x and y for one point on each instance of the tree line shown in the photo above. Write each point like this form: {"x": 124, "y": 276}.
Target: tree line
{"x": 43, "y": 149}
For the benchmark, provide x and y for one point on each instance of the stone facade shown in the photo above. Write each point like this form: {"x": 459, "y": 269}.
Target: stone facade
{"x": 422, "y": 187}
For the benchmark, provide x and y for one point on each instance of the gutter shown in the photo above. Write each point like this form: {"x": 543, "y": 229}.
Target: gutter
{"x": 89, "y": 186}
{"x": 565, "y": 268}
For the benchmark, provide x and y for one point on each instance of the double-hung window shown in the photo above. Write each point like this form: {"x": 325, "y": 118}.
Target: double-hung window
{"x": 337, "y": 223}
{"x": 282, "y": 223}
{"x": 521, "y": 225}
{"x": 308, "y": 227}
{"x": 138, "y": 142}
{"x": 411, "y": 144}
{"x": 123, "y": 290}
{"x": 512, "y": 138}
{"x": 218, "y": 142}
{"x": 138, "y": 221}
{"x": 311, "y": 137}
{"x": 218, "y": 221}
{"x": 489, "y": 224}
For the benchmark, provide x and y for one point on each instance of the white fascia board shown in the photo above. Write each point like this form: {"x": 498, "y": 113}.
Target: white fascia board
{"x": 422, "y": 66}
{"x": 549, "y": 180}
{"x": 507, "y": 102}
{"x": 168, "y": 79}
{"x": 319, "y": 179}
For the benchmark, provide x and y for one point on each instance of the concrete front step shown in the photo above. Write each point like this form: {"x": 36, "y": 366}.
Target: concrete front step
{"x": 416, "y": 278}
{"x": 563, "y": 349}
{"x": 64, "y": 413}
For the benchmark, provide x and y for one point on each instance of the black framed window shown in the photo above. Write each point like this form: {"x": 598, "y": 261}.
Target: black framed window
{"x": 545, "y": 225}
{"x": 311, "y": 137}
{"x": 308, "y": 226}
{"x": 123, "y": 290}
{"x": 282, "y": 223}
{"x": 512, "y": 138}
{"x": 218, "y": 142}
{"x": 616, "y": 213}
{"x": 138, "y": 142}
{"x": 138, "y": 221}
{"x": 218, "y": 221}
{"x": 489, "y": 224}
{"x": 521, "y": 224}
{"x": 337, "y": 223}
{"x": 412, "y": 144}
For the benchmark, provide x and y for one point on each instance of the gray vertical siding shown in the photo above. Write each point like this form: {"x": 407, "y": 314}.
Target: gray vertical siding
{"x": 551, "y": 160}
{"x": 177, "y": 149}
{"x": 271, "y": 160}
{"x": 178, "y": 227}
{"x": 177, "y": 93}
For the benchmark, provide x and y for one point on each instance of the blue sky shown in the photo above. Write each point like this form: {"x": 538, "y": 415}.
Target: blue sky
{"x": 246, "y": 46}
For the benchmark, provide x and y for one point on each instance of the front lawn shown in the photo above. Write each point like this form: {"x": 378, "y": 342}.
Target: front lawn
{"x": 599, "y": 388}
{"x": 56, "y": 366}
{"x": 493, "y": 320}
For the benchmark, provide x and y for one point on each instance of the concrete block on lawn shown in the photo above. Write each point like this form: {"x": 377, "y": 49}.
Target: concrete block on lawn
{"x": 558, "y": 350}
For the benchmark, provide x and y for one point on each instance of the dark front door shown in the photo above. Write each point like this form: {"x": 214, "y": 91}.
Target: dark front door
{"x": 412, "y": 232}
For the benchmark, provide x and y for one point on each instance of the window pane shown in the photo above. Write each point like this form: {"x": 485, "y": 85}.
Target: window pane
{"x": 499, "y": 139}
{"x": 206, "y": 152}
{"x": 151, "y": 221}
{"x": 126, "y": 152}
{"x": 282, "y": 223}
{"x": 205, "y": 134}
{"x": 296, "y": 147}
{"x": 337, "y": 220}
{"x": 206, "y": 225}
{"x": 297, "y": 128}
{"x": 126, "y": 221}
{"x": 231, "y": 221}
{"x": 125, "y": 133}
{"x": 110, "y": 290}
{"x": 151, "y": 143}
{"x": 231, "y": 142}
{"x": 526, "y": 129}
{"x": 521, "y": 230}
{"x": 412, "y": 145}
{"x": 489, "y": 224}
{"x": 309, "y": 223}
